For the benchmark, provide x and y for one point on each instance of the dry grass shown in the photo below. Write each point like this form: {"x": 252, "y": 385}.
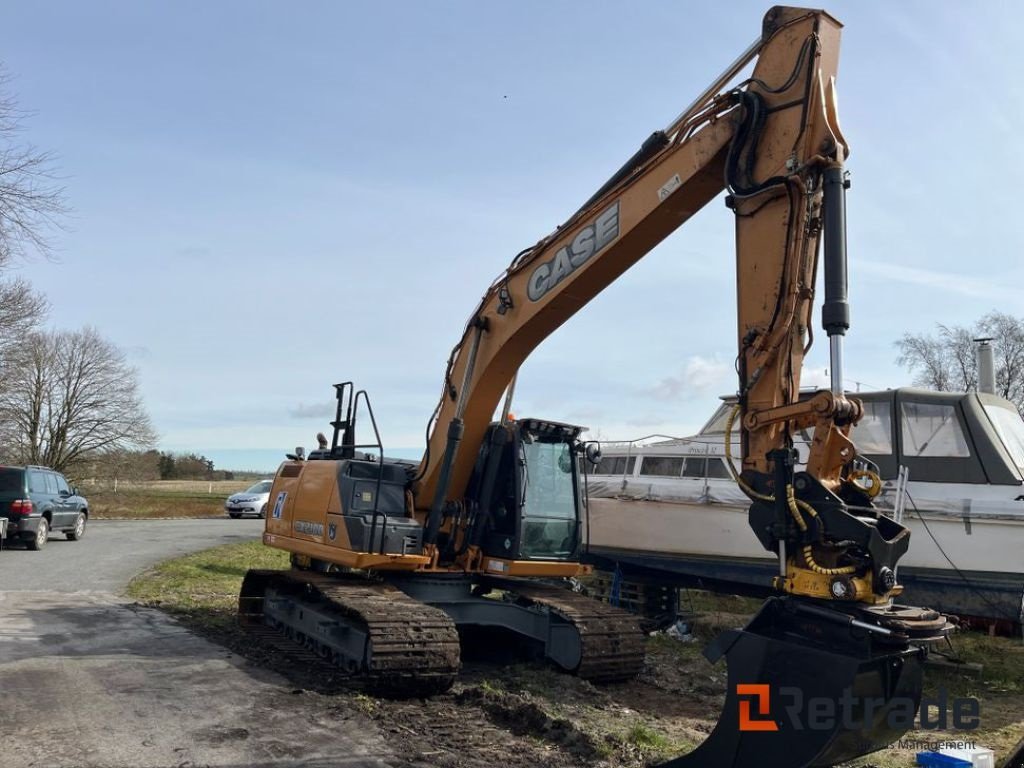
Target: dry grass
{"x": 161, "y": 498}
{"x": 203, "y": 587}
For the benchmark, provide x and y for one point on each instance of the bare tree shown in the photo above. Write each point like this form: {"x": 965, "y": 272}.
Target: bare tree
{"x": 71, "y": 396}
{"x": 30, "y": 204}
{"x": 31, "y": 198}
{"x": 947, "y": 361}
{"x": 21, "y": 310}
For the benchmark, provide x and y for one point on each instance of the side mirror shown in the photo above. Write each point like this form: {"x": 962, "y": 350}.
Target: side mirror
{"x": 74, "y": 490}
{"x": 594, "y": 453}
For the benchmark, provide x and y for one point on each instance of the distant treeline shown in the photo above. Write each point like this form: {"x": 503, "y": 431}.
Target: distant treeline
{"x": 151, "y": 465}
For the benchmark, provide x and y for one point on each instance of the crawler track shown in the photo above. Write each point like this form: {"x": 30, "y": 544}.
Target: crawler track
{"x": 613, "y": 644}
{"x": 410, "y": 649}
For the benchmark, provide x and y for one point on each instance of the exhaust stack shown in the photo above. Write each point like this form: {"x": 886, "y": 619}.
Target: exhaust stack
{"x": 986, "y": 366}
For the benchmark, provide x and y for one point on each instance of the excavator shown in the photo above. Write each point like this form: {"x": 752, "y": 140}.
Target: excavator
{"x": 392, "y": 559}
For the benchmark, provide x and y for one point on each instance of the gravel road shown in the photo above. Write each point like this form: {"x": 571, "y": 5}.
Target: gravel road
{"x": 89, "y": 679}
{"x": 113, "y": 551}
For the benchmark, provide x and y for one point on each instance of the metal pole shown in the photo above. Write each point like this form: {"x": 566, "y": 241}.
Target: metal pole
{"x": 506, "y": 409}
{"x": 720, "y": 82}
{"x": 835, "y": 353}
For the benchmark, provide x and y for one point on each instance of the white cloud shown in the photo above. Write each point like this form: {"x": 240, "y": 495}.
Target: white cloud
{"x": 815, "y": 377}
{"x": 700, "y": 376}
{"x": 313, "y": 411}
{"x": 952, "y": 282}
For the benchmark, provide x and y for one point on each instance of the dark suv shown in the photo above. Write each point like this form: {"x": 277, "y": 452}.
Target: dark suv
{"x": 36, "y": 501}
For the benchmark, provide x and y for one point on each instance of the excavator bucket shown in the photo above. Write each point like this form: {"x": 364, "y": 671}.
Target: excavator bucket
{"x": 811, "y": 685}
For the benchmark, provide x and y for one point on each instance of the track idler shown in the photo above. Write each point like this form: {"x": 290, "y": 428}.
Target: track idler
{"x": 815, "y": 685}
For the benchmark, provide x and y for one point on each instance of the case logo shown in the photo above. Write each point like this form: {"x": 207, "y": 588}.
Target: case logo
{"x": 589, "y": 241}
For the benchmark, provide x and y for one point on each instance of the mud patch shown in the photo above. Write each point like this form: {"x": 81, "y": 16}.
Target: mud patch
{"x": 525, "y": 717}
{"x": 218, "y": 735}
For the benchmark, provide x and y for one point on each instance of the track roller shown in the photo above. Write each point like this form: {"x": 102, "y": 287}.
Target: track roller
{"x": 385, "y": 640}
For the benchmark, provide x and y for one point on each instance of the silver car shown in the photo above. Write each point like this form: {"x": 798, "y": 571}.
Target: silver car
{"x": 251, "y": 501}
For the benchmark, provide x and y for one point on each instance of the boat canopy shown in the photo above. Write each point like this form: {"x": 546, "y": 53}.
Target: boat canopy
{"x": 941, "y": 437}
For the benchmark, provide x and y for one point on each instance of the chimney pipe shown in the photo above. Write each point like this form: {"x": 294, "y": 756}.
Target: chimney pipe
{"x": 986, "y": 366}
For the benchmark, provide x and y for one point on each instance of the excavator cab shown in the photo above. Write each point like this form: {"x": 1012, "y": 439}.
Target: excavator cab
{"x": 527, "y": 492}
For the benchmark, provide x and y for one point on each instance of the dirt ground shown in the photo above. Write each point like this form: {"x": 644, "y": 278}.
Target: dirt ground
{"x": 517, "y": 713}
{"x": 514, "y": 713}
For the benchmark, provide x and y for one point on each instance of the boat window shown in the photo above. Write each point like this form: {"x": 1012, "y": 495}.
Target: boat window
{"x": 717, "y": 469}
{"x": 717, "y": 424}
{"x": 615, "y": 465}
{"x": 662, "y": 466}
{"x": 1010, "y": 429}
{"x": 873, "y": 433}
{"x": 932, "y": 429}
{"x": 694, "y": 468}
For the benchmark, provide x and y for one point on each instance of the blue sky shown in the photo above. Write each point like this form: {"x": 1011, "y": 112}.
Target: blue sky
{"x": 269, "y": 198}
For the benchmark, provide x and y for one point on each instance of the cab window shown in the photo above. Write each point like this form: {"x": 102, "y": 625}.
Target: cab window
{"x": 51, "y": 483}
{"x": 62, "y": 485}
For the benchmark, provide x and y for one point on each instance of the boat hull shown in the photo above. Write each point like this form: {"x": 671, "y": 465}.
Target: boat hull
{"x": 969, "y": 566}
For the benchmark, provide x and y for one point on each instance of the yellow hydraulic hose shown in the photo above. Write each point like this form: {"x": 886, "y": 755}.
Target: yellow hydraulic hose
{"x": 732, "y": 467}
{"x": 795, "y": 505}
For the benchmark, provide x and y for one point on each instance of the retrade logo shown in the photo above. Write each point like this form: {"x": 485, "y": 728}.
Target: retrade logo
{"x": 797, "y": 711}
{"x": 760, "y": 694}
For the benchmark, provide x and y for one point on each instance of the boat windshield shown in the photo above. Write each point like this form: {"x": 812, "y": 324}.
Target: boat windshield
{"x": 549, "y": 501}
{"x": 1010, "y": 427}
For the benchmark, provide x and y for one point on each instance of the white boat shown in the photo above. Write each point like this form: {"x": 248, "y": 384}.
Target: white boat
{"x": 668, "y": 507}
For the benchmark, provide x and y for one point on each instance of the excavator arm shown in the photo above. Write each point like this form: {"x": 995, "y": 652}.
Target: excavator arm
{"x": 774, "y": 143}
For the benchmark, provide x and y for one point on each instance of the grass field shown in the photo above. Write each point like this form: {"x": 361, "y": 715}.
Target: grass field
{"x": 668, "y": 710}
{"x": 202, "y": 588}
{"x": 161, "y": 498}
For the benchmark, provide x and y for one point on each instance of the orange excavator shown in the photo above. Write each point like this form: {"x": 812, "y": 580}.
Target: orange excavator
{"x": 391, "y": 560}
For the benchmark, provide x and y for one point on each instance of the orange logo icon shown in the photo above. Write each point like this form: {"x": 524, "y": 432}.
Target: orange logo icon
{"x": 760, "y": 692}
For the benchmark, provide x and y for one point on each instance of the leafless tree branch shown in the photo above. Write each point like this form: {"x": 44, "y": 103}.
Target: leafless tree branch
{"x": 947, "y": 361}
{"x": 32, "y": 202}
{"x": 70, "y": 396}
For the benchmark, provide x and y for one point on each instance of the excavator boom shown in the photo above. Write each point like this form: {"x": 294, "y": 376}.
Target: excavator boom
{"x": 762, "y": 140}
